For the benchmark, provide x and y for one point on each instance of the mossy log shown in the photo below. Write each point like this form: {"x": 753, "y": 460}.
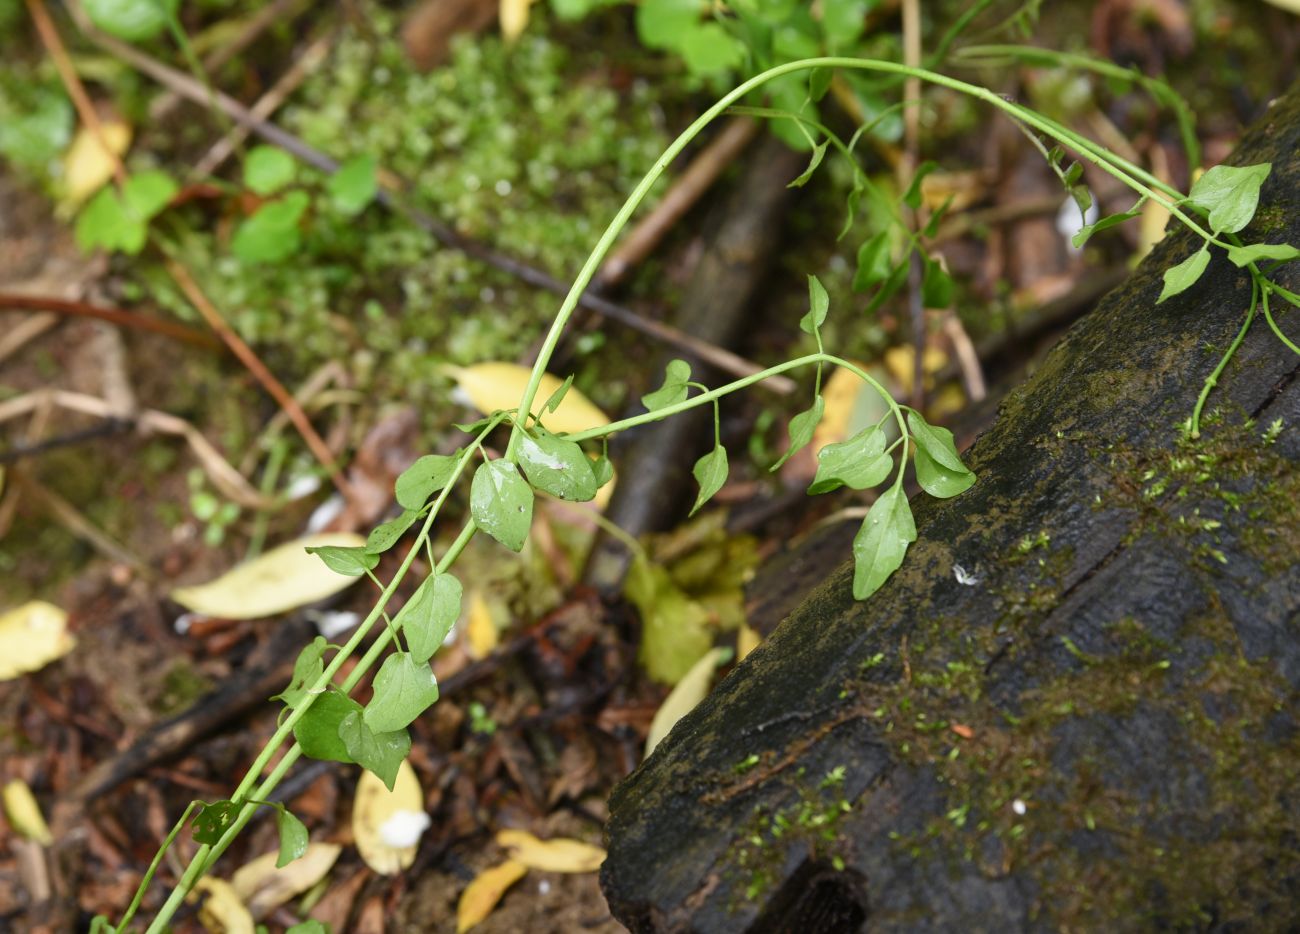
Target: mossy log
{"x": 1076, "y": 705}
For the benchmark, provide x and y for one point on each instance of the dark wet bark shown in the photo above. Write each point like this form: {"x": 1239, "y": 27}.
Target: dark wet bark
{"x": 1101, "y": 732}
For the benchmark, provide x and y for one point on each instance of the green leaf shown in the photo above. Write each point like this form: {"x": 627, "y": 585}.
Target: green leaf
{"x": 132, "y": 20}
{"x": 673, "y": 390}
{"x": 937, "y": 442}
{"x": 354, "y": 185}
{"x": 404, "y": 689}
{"x": 350, "y": 562}
{"x": 271, "y": 235}
{"x": 268, "y": 169}
{"x": 936, "y": 217}
{"x": 894, "y": 282}
{"x": 146, "y": 193}
{"x": 1111, "y": 220}
{"x": 293, "y": 837}
{"x": 881, "y": 543}
{"x": 819, "y": 82}
{"x": 429, "y": 615}
{"x": 1183, "y": 276}
{"x": 310, "y": 926}
{"x": 501, "y": 502}
{"x": 307, "y": 668}
{"x": 873, "y": 262}
{"x": 1242, "y": 255}
{"x": 426, "y": 476}
{"x": 675, "y": 630}
{"x": 214, "y": 820}
{"x": 381, "y": 753}
{"x": 556, "y": 466}
{"x": 938, "y": 480}
{"x": 707, "y": 49}
{"x": 384, "y": 537}
{"x": 912, "y": 197}
{"x": 557, "y": 397}
{"x": 858, "y": 463}
{"x": 818, "y": 304}
{"x": 104, "y": 223}
{"x": 1231, "y": 194}
{"x": 101, "y": 925}
{"x": 843, "y": 22}
{"x": 661, "y": 23}
{"x": 937, "y": 287}
{"x": 818, "y": 153}
{"x": 602, "y": 470}
{"x": 710, "y": 472}
{"x": 802, "y": 427}
{"x": 318, "y": 730}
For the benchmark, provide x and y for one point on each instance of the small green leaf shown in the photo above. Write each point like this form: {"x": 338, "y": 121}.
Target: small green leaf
{"x": 1082, "y": 197}
{"x": 1183, "y": 276}
{"x": 936, "y": 217}
{"x": 501, "y": 502}
{"x": 707, "y": 49}
{"x": 937, "y": 287}
{"x": 873, "y": 262}
{"x": 556, "y": 466}
{"x": 268, "y": 169}
{"x": 293, "y": 837}
{"x": 104, "y": 223}
{"x": 307, "y": 668}
{"x": 214, "y": 820}
{"x": 843, "y": 21}
{"x": 673, "y": 390}
{"x": 404, "y": 689}
{"x": 1111, "y": 220}
{"x": 818, "y": 154}
{"x": 937, "y": 442}
{"x": 819, "y": 82}
{"x": 354, "y": 185}
{"x": 145, "y": 194}
{"x": 912, "y": 197}
{"x": 557, "y": 397}
{"x": 381, "y": 753}
{"x": 938, "y": 480}
{"x": 802, "y": 427}
{"x": 818, "y": 304}
{"x": 710, "y": 473}
{"x": 350, "y": 562}
{"x": 318, "y": 730}
{"x": 858, "y": 463}
{"x": 1242, "y": 255}
{"x": 881, "y": 543}
{"x": 602, "y": 470}
{"x": 429, "y": 615}
{"x": 310, "y": 926}
{"x": 271, "y": 235}
{"x": 894, "y": 282}
{"x": 426, "y": 476}
{"x": 1231, "y": 194}
{"x": 661, "y": 23}
{"x": 132, "y": 20}
{"x": 384, "y": 537}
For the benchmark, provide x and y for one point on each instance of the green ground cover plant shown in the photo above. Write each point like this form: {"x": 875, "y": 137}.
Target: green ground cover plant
{"x": 321, "y": 720}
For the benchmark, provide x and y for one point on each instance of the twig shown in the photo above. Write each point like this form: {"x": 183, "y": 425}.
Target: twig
{"x": 187, "y": 87}
{"x": 78, "y": 524}
{"x": 225, "y": 478}
{"x": 72, "y": 82}
{"x": 972, "y": 374}
{"x": 280, "y": 11}
{"x": 962, "y": 224}
{"x": 267, "y": 104}
{"x": 113, "y": 426}
{"x": 25, "y": 332}
{"x": 116, "y": 316}
{"x": 688, "y": 188}
{"x": 264, "y": 376}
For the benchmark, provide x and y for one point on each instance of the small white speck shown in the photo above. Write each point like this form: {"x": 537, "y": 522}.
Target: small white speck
{"x": 331, "y": 623}
{"x": 503, "y": 187}
{"x": 1067, "y": 221}
{"x": 184, "y": 622}
{"x": 404, "y": 828}
{"x": 964, "y": 577}
{"x": 302, "y": 486}
{"x": 544, "y": 887}
{"x": 1018, "y": 806}
{"x": 325, "y": 513}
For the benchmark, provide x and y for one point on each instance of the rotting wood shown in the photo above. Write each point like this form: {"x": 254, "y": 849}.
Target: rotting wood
{"x": 1096, "y": 726}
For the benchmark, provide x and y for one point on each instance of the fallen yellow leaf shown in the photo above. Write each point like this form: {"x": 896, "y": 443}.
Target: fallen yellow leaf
{"x": 480, "y": 629}
{"x": 482, "y": 895}
{"x": 559, "y": 854}
{"x": 492, "y": 386}
{"x": 387, "y": 825}
{"x": 682, "y": 699}
{"x": 87, "y": 166}
{"x": 514, "y": 18}
{"x": 262, "y": 887}
{"x": 32, "y": 636}
{"x": 283, "y": 579}
{"x": 24, "y": 813}
{"x": 746, "y": 641}
{"x": 223, "y": 911}
{"x": 850, "y": 406}
{"x": 901, "y": 363}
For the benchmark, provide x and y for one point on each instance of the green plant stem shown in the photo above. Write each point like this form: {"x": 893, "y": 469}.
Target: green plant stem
{"x": 1194, "y": 423}
{"x": 1277, "y": 331}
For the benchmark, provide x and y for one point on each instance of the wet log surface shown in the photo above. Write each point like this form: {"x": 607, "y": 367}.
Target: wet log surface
{"x": 1100, "y": 731}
